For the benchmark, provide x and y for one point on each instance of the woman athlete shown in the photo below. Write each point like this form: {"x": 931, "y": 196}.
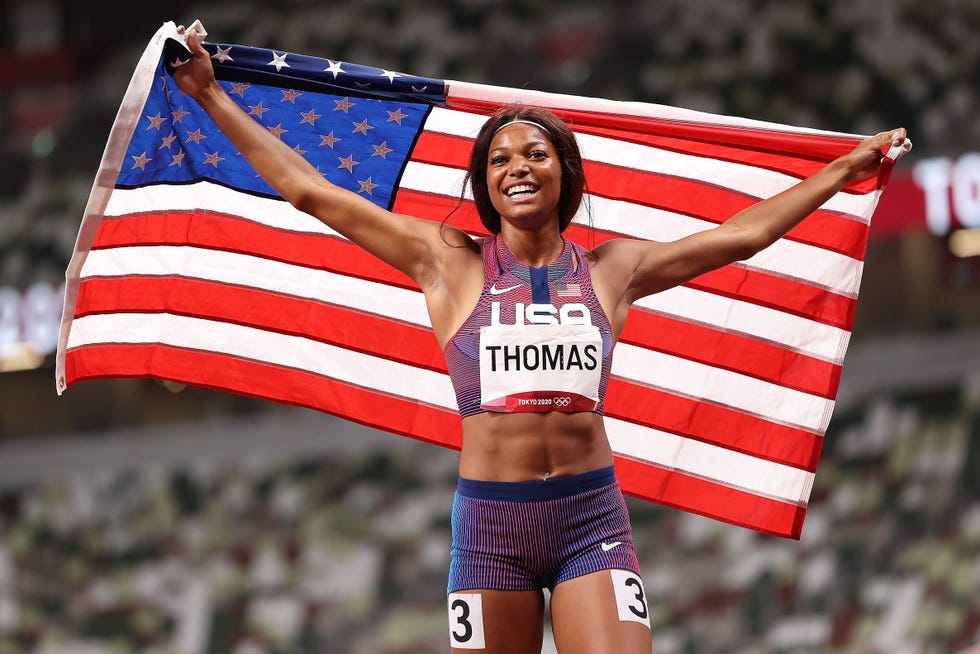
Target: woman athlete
{"x": 528, "y": 320}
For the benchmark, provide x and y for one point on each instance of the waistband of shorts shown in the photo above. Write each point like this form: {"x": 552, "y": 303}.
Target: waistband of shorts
{"x": 536, "y": 490}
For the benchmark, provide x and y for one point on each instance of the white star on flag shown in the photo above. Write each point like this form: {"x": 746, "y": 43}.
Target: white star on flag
{"x": 279, "y": 61}
{"x": 334, "y": 68}
{"x": 222, "y": 54}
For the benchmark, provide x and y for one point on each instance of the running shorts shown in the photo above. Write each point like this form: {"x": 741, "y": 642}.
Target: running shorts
{"x": 536, "y": 534}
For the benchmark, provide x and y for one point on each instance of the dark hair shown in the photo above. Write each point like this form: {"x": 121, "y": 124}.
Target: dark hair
{"x": 560, "y": 135}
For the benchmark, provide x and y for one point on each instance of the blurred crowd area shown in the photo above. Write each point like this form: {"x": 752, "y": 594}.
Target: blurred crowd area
{"x": 198, "y": 545}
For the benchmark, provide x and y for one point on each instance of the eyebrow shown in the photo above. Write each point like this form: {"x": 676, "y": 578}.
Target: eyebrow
{"x": 529, "y": 144}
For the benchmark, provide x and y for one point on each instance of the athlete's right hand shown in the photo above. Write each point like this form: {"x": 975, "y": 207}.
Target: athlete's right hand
{"x": 196, "y": 74}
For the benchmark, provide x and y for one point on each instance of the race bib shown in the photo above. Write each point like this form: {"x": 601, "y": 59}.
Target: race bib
{"x": 540, "y": 367}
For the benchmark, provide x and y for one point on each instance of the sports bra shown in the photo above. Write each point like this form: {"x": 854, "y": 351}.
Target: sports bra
{"x": 537, "y": 340}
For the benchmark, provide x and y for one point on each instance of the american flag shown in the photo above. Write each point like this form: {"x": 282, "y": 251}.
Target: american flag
{"x": 569, "y": 290}
{"x": 188, "y": 267}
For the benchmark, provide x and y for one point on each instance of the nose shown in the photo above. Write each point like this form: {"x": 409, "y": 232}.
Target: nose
{"x": 518, "y": 167}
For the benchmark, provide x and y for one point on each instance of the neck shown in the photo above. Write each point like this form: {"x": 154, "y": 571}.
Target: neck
{"x": 536, "y": 249}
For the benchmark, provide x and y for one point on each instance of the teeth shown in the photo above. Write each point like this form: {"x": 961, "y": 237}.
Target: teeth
{"x": 523, "y": 188}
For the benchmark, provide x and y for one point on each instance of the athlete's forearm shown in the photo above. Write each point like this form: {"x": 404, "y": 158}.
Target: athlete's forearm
{"x": 652, "y": 267}
{"x": 767, "y": 221}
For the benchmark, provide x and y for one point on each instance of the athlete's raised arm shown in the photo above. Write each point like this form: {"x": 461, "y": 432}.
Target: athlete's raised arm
{"x": 628, "y": 270}
{"x": 419, "y": 248}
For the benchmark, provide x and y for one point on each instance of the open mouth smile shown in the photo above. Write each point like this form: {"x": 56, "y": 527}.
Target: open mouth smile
{"x": 521, "y": 190}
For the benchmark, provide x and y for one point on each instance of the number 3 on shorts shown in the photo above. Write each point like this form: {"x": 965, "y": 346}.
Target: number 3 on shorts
{"x": 631, "y": 602}
{"x": 466, "y": 621}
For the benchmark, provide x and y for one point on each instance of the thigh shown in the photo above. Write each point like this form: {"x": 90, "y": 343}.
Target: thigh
{"x": 496, "y": 621}
{"x": 601, "y": 612}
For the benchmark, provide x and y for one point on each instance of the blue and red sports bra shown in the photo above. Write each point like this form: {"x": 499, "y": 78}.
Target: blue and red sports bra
{"x": 537, "y": 340}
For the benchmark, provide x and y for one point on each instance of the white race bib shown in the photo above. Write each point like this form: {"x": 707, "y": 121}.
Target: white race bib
{"x": 540, "y": 367}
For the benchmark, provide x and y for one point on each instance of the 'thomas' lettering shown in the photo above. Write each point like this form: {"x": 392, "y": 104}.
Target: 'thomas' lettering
{"x": 543, "y": 357}
{"x": 571, "y": 313}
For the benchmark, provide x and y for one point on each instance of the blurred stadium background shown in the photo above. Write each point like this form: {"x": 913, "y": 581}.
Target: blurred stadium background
{"x": 145, "y": 517}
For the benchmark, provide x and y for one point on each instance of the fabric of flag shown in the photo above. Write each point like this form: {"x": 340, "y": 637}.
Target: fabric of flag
{"x": 188, "y": 267}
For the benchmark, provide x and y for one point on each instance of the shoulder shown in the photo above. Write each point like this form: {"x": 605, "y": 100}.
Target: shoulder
{"x": 629, "y": 269}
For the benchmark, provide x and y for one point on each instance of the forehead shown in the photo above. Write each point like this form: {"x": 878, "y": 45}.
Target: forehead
{"x": 516, "y": 135}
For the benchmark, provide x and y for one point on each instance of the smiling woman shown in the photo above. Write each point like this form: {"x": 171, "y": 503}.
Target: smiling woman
{"x": 558, "y": 141}
{"x": 528, "y": 320}
{"x": 524, "y": 174}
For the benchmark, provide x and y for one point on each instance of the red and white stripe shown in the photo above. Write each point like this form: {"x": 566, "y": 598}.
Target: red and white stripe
{"x": 721, "y": 389}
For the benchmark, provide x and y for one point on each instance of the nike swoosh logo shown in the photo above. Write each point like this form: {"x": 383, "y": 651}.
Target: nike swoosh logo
{"x": 497, "y": 291}
{"x": 610, "y": 546}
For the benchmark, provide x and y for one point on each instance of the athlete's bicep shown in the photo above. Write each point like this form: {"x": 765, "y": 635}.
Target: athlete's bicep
{"x": 630, "y": 269}
{"x": 661, "y": 266}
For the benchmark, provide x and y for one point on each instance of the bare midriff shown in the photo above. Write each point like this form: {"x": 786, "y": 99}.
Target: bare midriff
{"x": 528, "y": 446}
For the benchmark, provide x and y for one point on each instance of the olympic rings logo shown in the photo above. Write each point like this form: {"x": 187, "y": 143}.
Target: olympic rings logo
{"x": 563, "y": 401}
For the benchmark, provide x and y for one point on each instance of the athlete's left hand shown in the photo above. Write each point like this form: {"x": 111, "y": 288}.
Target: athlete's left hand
{"x": 864, "y": 160}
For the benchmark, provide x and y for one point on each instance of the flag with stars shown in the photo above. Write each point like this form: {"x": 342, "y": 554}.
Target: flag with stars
{"x": 568, "y": 290}
{"x": 189, "y": 267}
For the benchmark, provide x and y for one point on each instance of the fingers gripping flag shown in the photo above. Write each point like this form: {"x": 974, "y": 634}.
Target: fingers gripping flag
{"x": 189, "y": 267}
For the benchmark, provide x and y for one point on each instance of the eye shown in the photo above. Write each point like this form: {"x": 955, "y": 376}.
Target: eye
{"x": 496, "y": 160}
{"x": 538, "y": 155}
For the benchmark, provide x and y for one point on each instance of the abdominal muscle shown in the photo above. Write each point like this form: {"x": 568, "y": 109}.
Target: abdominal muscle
{"x": 529, "y": 446}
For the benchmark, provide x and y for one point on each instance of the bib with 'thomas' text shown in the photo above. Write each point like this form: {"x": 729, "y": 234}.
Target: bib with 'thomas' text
{"x": 540, "y": 367}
